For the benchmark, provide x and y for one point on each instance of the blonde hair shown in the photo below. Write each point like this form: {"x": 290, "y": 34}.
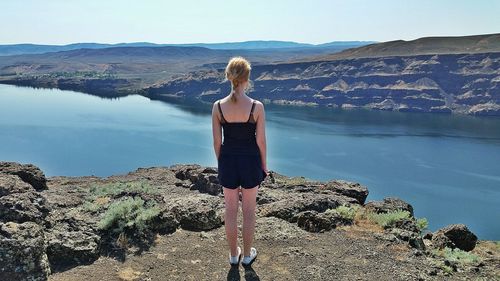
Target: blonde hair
{"x": 237, "y": 71}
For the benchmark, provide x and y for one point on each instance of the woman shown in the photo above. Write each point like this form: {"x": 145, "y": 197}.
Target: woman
{"x": 241, "y": 158}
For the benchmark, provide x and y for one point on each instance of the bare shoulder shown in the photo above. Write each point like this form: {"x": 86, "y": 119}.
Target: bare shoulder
{"x": 259, "y": 106}
{"x": 214, "y": 105}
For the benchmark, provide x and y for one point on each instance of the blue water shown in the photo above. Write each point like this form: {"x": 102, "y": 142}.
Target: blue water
{"x": 446, "y": 166}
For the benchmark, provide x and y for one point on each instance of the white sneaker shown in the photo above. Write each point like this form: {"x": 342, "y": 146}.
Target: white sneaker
{"x": 236, "y": 259}
{"x": 248, "y": 260}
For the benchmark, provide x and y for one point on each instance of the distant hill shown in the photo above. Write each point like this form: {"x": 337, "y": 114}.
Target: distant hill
{"x": 148, "y": 63}
{"x": 19, "y": 49}
{"x": 487, "y": 43}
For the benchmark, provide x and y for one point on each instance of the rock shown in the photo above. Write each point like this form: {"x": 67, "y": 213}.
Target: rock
{"x": 23, "y": 252}
{"x": 203, "y": 179}
{"x": 10, "y": 184}
{"x": 454, "y": 236}
{"x": 165, "y": 222}
{"x": 71, "y": 241}
{"x": 197, "y": 213}
{"x": 489, "y": 108}
{"x": 271, "y": 228}
{"x": 20, "y": 206}
{"x": 349, "y": 189}
{"x": 413, "y": 239}
{"x": 288, "y": 209}
{"x": 428, "y": 236}
{"x": 313, "y": 221}
{"x": 264, "y": 198}
{"x": 29, "y": 173}
{"x": 389, "y": 204}
{"x": 405, "y": 224}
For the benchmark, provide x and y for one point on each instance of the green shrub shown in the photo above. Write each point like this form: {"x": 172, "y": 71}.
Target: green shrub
{"x": 115, "y": 188}
{"x": 292, "y": 181}
{"x": 91, "y": 207}
{"x": 422, "y": 224}
{"x": 128, "y": 214}
{"x": 96, "y": 204}
{"x": 387, "y": 219}
{"x": 345, "y": 211}
{"x": 457, "y": 255}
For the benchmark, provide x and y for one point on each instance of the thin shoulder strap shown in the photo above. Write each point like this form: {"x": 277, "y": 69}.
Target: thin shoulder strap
{"x": 220, "y": 110}
{"x": 251, "y": 111}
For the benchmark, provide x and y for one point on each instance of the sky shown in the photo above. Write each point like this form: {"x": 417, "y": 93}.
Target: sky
{"x": 213, "y": 21}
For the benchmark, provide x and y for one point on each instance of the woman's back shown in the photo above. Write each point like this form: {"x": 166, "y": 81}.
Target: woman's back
{"x": 239, "y": 136}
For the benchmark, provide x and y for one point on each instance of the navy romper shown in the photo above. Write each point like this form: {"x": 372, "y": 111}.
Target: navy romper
{"x": 239, "y": 162}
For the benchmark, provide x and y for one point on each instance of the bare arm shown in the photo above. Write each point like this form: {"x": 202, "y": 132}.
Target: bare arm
{"x": 216, "y": 130}
{"x": 260, "y": 134}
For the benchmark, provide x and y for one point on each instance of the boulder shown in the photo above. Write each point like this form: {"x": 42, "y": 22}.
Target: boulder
{"x": 29, "y": 173}
{"x": 10, "y": 184}
{"x": 314, "y": 221}
{"x": 264, "y": 198}
{"x": 405, "y": 224}
{"x": 197, "y": 213}
{"x": 165, "y": 223}
{"x": 203, "y": 179}
{"x": 71, "y": 240}
{"x": 387, "y": 205}
{"x": 454, "y": 236}
{"x": 413, "y": 239}
{"x": 349, "y": 189}
{"x": 23, "y": 252}
{"x": 288, "y": 209}
{"x": 19, "y": 201}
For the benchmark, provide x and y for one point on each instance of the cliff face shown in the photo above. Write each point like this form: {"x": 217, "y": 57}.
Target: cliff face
{"x": 458, "y": 83}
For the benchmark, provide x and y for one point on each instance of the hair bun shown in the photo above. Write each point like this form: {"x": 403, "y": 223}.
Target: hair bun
{"x": 237, "y": 71}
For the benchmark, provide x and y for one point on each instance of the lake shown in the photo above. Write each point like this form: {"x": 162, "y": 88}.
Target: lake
{"x": 446, "y": 166}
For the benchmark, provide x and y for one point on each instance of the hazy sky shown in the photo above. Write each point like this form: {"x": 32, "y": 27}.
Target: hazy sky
{"x": 189, "y": 21}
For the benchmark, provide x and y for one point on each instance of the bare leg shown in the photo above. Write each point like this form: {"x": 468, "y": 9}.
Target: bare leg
{"x": 231, "y": 202}
{"x": 248, "y": 206}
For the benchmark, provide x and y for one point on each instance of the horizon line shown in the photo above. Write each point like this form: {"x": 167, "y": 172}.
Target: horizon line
{"x": 246, "y": 41}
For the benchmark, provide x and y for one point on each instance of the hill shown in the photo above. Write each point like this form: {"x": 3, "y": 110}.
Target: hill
{"x": 423, "y": 46}
{"x": 134, "y": 67}
{"x": 19, "y": 49}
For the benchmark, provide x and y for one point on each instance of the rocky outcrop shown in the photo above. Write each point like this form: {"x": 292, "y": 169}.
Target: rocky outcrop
{"x": 71, "y": 240}
{"x": 23, "y": 253}
{"x": 349, "y": 189}
{"x": 198, "y": 213}
{"x": 61, "y": 225}
{"x": 202, "y": 179}
{"x": 23, "y": 245}
{"x": 408, "y": 233}
{"x": 455, "y": 236}
{"x": 315, "y": 222}
{"x": 454, "y": 83}
{"x": 28, "y": 173}
{"x": 290, "y": 208}
{"x": 389, "y": 204}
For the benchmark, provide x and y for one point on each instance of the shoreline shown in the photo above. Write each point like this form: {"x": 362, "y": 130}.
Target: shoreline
{"x": 173, "y": 98}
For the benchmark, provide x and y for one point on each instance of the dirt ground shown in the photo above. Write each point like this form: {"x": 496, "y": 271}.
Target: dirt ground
{"x": 285, "y": 252}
